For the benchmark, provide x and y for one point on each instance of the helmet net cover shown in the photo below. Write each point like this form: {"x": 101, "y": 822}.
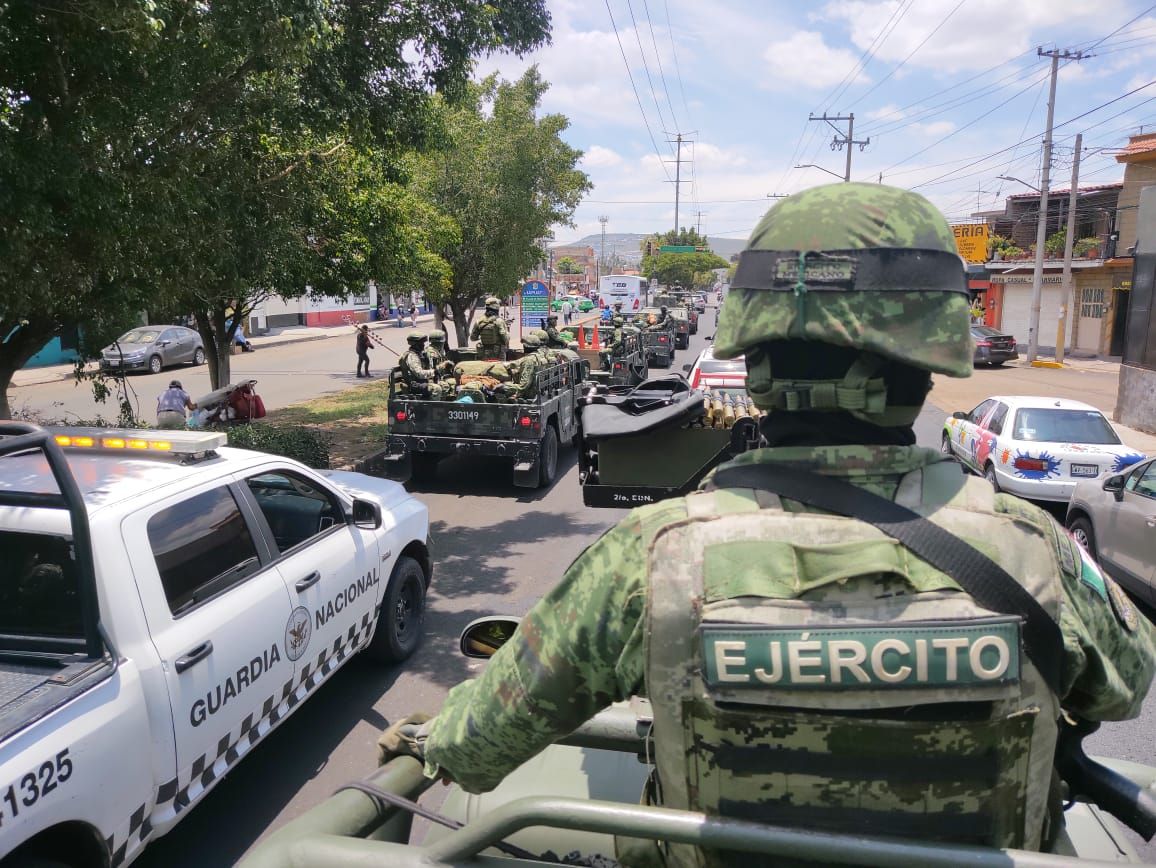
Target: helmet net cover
{"x": 921, "y": 320}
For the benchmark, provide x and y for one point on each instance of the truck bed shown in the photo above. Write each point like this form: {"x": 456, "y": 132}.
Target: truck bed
{"x": 32, "y": 685}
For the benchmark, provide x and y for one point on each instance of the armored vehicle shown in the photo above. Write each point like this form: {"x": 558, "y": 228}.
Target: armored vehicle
{"x": 680, "y": 319}
{"x": 625, "y": 365}
{"x": 528, "y": 433}
{"x": 577, "y": 800}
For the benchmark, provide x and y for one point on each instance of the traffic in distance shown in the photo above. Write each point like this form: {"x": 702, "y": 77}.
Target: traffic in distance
{"x": 756, "y": 521}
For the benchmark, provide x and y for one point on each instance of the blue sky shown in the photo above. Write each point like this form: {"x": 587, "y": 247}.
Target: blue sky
{"x": 945, "y": 89}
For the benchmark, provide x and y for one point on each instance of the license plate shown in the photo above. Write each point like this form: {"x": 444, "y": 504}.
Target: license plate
{"x": 1084, "y": 470}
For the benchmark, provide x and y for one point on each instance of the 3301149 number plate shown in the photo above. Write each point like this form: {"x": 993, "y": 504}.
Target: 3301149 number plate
{"x": 1084, "y": 469}
{"x": 463, "y": 415}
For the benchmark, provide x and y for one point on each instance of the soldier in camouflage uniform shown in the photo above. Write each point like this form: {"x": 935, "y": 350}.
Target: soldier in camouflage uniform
{"x": 418, "y": 378}
{"x": 491, "y": 333}
{"x": 530, "y": 364}
{"x": 613, "y": 344}
{"x": 554, "y": 338}
{"x": 805, "y": 668}
{"x": 436, "y": 358}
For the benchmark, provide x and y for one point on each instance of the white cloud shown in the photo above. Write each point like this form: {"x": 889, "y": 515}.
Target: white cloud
{"x": 804, "y": 59}
{"x": 935, "y": 128}
{"x": 597, "y": 157}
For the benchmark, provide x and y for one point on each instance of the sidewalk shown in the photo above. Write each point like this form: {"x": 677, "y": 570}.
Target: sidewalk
{"x": 274, "y": 337}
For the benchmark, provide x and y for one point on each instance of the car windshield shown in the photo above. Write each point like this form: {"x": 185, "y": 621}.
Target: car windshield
{"x": 722, "y": 366}
{"x": 1045, "y": 425}
{"x": 138, "y": 336}
{"x": 985, "y": 332}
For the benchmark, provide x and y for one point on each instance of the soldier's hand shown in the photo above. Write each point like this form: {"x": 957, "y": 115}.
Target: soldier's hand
{"x": 404, "y": 737}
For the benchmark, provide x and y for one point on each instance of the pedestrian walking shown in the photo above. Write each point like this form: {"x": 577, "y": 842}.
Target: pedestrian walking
{"x": 171, "y": 406}
{"x": 567, "y": 311}
{"x": 363, "y": 351}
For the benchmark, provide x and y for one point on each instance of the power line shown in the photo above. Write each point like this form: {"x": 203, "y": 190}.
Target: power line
{"x": 646, "y": 68}
{"x": 895, "y": 69}
{"x": 674, "y": 54}
{"x": 637, "y": 99}
{"x": 658, "y": 60}
{"x": 1121, "y": 27}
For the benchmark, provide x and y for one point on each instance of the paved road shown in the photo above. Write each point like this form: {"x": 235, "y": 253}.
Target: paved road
{"x": 498, "y": 549}
{"x": 285, "y": 373}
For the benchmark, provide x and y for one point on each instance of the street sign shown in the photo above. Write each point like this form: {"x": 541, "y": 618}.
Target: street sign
{"x": 535, "y": 304}
{"x": 971, "y": 240}
{"x": 677, "y": 248}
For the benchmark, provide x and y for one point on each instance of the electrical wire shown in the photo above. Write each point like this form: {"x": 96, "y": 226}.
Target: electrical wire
{"x": 677, "y": 69}
{"x": 637, "y": 99}
{"x": 658, "y": 60}
{"x": 1118, "y": 29}
{"x": 896, "y": 69}
{"x": 646, "y": 67}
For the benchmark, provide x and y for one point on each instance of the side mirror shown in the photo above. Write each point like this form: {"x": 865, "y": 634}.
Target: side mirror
{"x": 959, "y": 414}
{"x": 366, "y": 514}
{"x": 162, "y": 343}
{"x": 686, "y": 368}
{"x": 1115, "y": 484}
{"x": 484, "y": 636}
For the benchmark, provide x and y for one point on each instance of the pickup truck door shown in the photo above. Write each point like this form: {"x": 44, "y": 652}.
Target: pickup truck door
{"x": 216, "y": 610}
{"x": 331, "y": 568}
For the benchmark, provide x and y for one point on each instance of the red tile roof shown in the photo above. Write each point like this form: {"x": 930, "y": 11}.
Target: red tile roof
{"x": 1143, "y": 144}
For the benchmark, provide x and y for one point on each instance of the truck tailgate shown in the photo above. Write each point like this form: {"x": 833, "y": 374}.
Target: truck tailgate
{"x": 455, "y": 419}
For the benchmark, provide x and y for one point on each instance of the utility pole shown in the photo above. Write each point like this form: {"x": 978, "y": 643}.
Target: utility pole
{"x": 602, "y": 248}
{"x": 1045, "y": 179}
{"x": 1066, "y": 284}
{"x": 678, "y": 161}
{"x": 840, "y": 140}
{"x": 699, "y": 215}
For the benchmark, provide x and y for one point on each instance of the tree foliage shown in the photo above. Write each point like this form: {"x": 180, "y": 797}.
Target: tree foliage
{"x": 218, "y": 149}
{"x": 504, "y": 176}
{"x": 680, "y": 268}
{"x": 567, "y": 265}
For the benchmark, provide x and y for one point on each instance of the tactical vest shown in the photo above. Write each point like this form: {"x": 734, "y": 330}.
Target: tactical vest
{"x": 488, "y": 332}
{"x": 806, "y": 670}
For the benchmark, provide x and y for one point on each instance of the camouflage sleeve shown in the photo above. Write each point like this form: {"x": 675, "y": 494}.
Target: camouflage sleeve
{"x": 475, "y": 330}
{"x": 576, "y": 652}
{"x": 526, "y": 373}
{"x": 1109, "y": 647}
{"x": 503, "y": 330}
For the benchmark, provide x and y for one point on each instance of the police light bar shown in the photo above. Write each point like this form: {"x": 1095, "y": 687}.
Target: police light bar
{"x": 147, "y": 441}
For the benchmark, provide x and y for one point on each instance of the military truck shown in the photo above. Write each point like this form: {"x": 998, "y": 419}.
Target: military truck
{"x": 579, "y": 798}
{"x": 680, "y": 320}
{"x": 527, "y": 433}
{"x": 627, "y": 363}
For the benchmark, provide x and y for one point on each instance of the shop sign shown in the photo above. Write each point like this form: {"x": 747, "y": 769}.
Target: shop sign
{"x": 971, "y": 240}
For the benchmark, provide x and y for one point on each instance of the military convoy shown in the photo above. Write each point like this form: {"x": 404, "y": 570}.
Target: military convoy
{"x": 486, "y": 419}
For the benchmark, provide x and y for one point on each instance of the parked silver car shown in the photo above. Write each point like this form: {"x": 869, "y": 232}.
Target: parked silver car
{"x": 1114, "y": 518}
{"x": 151, "y": 348}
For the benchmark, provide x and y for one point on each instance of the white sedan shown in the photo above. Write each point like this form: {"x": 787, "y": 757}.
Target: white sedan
{"x": 707, "y": 372}
{"x": 1035, "y": 447}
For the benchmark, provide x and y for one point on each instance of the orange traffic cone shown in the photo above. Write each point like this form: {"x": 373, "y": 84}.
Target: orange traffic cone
{"x": 581, "y": 335}
{"x": 594, "y": 342}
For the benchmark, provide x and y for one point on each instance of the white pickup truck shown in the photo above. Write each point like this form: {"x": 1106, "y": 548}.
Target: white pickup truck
{"x": 164, "y": 604}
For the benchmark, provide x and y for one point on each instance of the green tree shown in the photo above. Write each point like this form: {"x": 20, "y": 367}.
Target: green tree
{"x": 680, "y": 268}
{"x": 567, "y": 265}
{"x": 120, "y": 118}
{"x": 505, "y": 176}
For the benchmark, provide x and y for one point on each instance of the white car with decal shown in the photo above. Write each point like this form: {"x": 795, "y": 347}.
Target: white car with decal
{"x": 164, "y": 603}
{"x": 1035, "y": 447}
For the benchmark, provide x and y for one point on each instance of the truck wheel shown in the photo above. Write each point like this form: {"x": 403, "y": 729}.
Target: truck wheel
{"x": 548, "y": 458}
{"x": 425, "y": 466}
{"x": 399, "y": 626}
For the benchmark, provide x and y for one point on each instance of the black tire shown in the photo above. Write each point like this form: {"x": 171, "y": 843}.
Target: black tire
{"x": 424, "y": 466}
{"x": 399, "y": 626}
{"x": 548, "y": 458}
{"x": 1081, "y": 529}
{"x": 997, "y": 364}
{"x": 989, "y": 475}
{"x": 199, "y": 356}
{"x": 945, "y": 444}
{"x": 155, "y": 365}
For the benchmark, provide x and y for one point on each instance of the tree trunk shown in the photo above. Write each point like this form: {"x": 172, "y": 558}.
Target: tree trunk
{"x": 218, "y": 340}
{"x": 461, "y": 323}
{"x": 24, "y": 340}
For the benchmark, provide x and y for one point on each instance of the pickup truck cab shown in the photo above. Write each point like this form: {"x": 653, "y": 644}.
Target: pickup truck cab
{"x": 165, "y": 602}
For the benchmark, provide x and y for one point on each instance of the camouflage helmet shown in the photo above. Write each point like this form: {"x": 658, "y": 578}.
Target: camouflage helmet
{"x": 552, "y": 319}
{"x": 437, "y": 336}
{"x": 493, "y": 302}
{"x": 865, "y": 267}
{"x": 415, "y": 338}
{"x": 530, "y": 340}
{"x": 541, "y": 333}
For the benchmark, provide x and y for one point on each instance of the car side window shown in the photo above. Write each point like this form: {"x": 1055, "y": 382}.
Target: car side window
{"x": 1145, "y": 483}
{"x": 976, "y": 415}
{"x": 169, "y": 335}
{"x": 995, "y": 424}
{"x": 39, "y": 591}
{"x": 295, "y": 508}
{"x": 202, "y": 547}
